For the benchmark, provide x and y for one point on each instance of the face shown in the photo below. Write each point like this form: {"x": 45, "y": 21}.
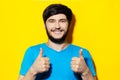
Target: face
{"x": 57, "y": 28}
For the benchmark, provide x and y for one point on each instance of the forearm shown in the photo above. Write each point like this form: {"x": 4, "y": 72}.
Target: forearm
{"x": 30, "y": 75}
{"x": 87, "y": 75}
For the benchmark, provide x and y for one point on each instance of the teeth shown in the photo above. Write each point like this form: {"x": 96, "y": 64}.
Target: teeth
{"x": 57, "y": 31}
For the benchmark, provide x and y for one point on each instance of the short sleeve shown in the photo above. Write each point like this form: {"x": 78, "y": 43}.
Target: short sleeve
{"x": 89, "y": 62}
{"x": 27, "y": 62}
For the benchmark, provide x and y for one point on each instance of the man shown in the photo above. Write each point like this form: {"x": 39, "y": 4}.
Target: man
{"x": 57, "y": 59}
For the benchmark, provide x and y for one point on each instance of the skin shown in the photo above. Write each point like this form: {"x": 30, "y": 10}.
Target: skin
{"x": 57, "y": 26}
{"x": 57, "y": 29}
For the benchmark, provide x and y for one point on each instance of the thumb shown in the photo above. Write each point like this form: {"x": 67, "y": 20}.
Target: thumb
{"x": 80, "y": 52}
{"x": 40, "y": 53}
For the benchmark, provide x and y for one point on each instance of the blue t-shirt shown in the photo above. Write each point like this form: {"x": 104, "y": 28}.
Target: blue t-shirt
{"x": 60, "y": 62}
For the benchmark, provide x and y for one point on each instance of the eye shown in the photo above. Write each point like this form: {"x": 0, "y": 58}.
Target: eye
{"x": 63, "y": 20}
{"x": 51, "y": 20}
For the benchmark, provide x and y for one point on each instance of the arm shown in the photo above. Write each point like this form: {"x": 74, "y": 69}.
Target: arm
{"x": 87, "y": 75}
{"x": 20, "y": 77}
{"x": 29, "y": 76}
{"x": 40, "y": 65}
{"x": 79, "y": 65}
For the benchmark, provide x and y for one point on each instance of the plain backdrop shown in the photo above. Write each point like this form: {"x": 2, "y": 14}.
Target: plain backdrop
{"x": 96, "y": 28}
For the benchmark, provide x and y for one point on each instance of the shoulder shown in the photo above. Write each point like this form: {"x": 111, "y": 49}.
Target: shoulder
{"x": 37, "y": 46}
{"x": 85, "y": 51}
{"x": 34, "y": 49}
{"x": 73, "y": 46}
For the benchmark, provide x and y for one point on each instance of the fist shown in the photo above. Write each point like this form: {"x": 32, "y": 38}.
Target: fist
{"x": 41, "y": 64}
{"x": 78, "y": 64}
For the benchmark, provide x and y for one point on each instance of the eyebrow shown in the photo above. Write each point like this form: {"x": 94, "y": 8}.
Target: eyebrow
{"x": 64, "y": 19}
{"x": 59, "y": 19}
{"x": 51, "y": 19}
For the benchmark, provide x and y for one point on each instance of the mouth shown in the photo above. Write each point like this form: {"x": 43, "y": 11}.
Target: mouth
{"x": 57, "y": 31}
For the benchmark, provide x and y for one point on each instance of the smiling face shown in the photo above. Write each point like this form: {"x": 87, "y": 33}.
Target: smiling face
{"x": 57, "y": 28}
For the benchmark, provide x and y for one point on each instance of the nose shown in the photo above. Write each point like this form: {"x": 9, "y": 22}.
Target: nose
{"x": 57, "y": 25}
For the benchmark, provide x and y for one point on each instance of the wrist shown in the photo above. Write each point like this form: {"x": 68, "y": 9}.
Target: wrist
{"x": 32, "y": 71}
{"x": 85, "y": 72}
{"x": 31, "y": 74}
{"x": 86, "y": 75}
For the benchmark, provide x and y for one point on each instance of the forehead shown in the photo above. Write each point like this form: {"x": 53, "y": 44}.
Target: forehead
{"x": 57, "y": 16}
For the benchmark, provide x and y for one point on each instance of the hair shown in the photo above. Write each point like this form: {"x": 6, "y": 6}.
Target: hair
{"x": 54, "y": 9}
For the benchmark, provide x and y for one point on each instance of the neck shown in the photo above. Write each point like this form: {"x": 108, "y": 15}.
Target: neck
{"x": 57, "y": 47}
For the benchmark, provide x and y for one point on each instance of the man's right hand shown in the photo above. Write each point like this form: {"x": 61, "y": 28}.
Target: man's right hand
{"x": 41, "y": 64}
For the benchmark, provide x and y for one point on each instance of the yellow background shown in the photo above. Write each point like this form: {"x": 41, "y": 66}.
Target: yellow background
{"x": 97, "y": 28}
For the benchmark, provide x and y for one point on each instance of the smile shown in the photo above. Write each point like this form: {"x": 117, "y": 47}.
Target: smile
{"x": 57, "y": 31}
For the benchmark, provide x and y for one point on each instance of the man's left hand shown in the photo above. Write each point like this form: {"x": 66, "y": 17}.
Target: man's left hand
{"x": 78, "y": 64}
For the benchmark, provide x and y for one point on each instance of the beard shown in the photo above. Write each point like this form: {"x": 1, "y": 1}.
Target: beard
{"x": 57, "y": 41}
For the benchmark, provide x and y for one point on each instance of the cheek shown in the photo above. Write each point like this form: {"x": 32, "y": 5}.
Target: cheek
{"x": 50, "y": 26}
{"x": 65, "y": 27}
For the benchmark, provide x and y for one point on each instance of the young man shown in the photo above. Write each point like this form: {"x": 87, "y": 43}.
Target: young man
{"x": 57, "y": 59}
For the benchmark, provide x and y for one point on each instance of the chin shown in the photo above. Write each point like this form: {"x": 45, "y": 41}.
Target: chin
{"x": 57, "y": 38}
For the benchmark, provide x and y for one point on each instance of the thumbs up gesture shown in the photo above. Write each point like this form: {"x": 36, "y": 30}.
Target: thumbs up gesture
{"x": 78, "y": 64}
{"x": 41, "y": 64}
